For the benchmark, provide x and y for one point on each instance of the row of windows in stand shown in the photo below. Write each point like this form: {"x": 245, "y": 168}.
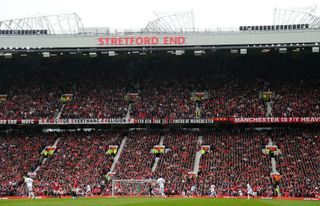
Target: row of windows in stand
{"x": 274, "y": 27}
{"x": 23, "y": 32}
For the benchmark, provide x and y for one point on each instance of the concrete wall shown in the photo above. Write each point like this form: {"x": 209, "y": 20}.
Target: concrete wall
{"x": 195, "y": 39}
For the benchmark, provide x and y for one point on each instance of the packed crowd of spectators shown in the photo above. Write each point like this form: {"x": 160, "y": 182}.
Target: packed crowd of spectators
{"x": 20, "y": 153}
{"x": 235, "y": 160}
{"x": 136, "y": 159}
{"x": 164, "y": 100}
{"x": 32, "y": 88}
{"x": 80, "y": 159}
{"x": 174, "y": 166}
{"x": 164, "y": 86}
{"x": 299, "y": 162}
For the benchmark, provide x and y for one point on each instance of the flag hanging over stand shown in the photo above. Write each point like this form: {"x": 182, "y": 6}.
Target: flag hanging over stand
{"x": 131, "y": 97}
{"x": 66, "y": 98}
{"x": 112, "y": 150}
{"x": 3, "y": 98}
{"x": 205, "y": 149}
{"x": 158, "y": 149}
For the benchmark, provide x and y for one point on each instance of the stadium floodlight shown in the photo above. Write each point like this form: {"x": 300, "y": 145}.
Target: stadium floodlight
{"x": 296, "y": 50}
{"x": 265, "y": 50}
{"x": 199, "y": 52}
{"x": 315, "y": 49}
{"x": 243, "y": 51}
{"x": 7, "y": 55}
{"x": 112, "y": 53}
{"x": 93, "y": 54}
{"x": 234, "y": 51}
{"x": 282, "y": 50}
{"x": 46, "y": 54}
{"x": 179, "y": 52}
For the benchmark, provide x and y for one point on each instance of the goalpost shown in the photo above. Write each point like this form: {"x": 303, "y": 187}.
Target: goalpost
{"x": 131, "y": 187}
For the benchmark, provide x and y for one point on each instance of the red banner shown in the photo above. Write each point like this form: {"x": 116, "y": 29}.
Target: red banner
{"x": 258, "y": 120}
{"x": 276, "y": 120}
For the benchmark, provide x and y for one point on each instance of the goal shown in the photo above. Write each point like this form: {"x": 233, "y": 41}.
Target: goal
{"x": 131, "y": 187}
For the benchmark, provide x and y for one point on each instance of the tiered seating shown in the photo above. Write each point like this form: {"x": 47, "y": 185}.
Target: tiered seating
{"x": 136, "y": 159}
{"x": 97, "y": 103}
{"x": 175, "y": 164}
{"x": 235, "y": 159}
{"x": 164, "y": 88}
{"x": 20, "y": 154}
{"x": 299, "y": 163}
{"x": 234, "y": 99}
{"x": 81, "y": 158}
{"x": 164, "y": 100}
{"x": 297, "y": 101}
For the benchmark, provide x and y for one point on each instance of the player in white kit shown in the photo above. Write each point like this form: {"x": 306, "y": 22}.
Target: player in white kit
{"x": 29, "y": 182}
{"x": 161, "y": 182}
{"x": 213, "y": 191}
{"x": 249, "y": 191}
{"x": 88, "y": 191}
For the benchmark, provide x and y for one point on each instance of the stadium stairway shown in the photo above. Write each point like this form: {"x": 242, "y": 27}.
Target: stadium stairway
{"x": 273, "y": 159}
{"x": 161, "y": 141}
{"x": 274, "y": 165}
{"x": 155, "y": 164}
{"x": 60, "y": 112}
{"x": 198, "y": 156}
{"x": 129, "y": 110}
{"x": 116, "y": 158}
{"x": 156, "y": 160}
{"x": 198, "y": 111}
{"x": 45, "y": 159}
{"x": 269, "y": 109}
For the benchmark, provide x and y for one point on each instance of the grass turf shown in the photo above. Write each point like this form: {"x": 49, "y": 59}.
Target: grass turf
{"x": 155, "y": 202}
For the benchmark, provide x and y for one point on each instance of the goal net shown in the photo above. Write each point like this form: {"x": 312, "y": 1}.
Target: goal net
{"x": 131, "y": 187}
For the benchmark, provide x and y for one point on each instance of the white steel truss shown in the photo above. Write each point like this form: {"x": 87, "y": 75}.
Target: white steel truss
{"x": 172, "y": 22}
{"x": 305, "y": 15}
{"x": 54, "y": 24}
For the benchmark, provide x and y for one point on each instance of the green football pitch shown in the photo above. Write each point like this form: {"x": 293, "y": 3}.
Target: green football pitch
{"x": 156, "y": 202}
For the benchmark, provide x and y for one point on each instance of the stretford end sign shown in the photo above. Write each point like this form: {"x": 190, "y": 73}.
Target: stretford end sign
{"x": 141, "y": 41}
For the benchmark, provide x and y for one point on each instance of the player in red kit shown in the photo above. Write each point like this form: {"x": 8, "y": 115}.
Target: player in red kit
{"x": 56, "y": 191}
